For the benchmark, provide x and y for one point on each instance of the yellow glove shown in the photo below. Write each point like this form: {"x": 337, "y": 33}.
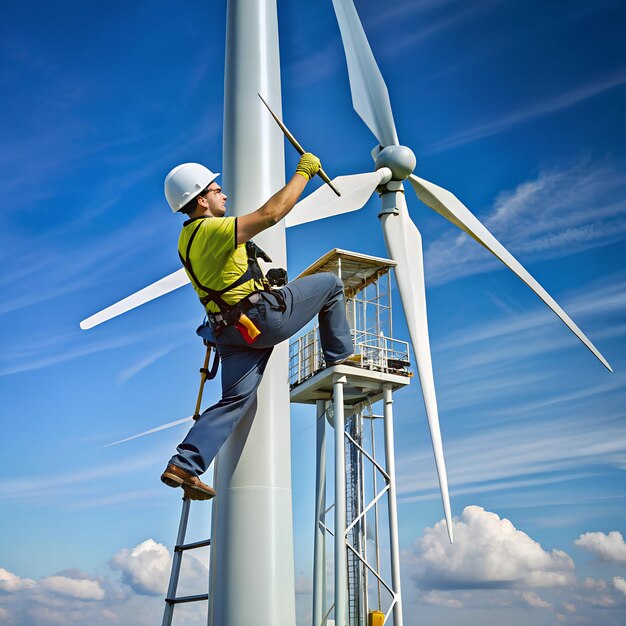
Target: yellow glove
{"x": 308, "y": 166}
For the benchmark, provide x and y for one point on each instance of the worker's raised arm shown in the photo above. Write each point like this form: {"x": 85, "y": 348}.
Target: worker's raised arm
{"x": 280, "y": 203}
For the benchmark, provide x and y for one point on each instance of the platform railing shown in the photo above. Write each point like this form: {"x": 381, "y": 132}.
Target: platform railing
{"x": 372, "y": 351}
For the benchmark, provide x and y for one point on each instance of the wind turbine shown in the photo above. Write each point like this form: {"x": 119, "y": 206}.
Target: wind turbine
{"x": 370, "y": 99}
{"x": 254, "y": 559}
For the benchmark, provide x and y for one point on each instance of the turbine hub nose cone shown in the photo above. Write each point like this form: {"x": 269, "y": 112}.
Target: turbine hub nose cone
{"x": 399, "y": 159}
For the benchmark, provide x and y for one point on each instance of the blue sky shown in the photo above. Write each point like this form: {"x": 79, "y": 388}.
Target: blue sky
{"x": 516, "y": 107}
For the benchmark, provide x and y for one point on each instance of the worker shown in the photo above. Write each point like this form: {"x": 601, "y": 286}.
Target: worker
{"x": 247, "y": 317}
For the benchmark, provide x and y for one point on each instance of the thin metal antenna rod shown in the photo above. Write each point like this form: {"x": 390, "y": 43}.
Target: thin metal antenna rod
{"x": 294, "y": 142}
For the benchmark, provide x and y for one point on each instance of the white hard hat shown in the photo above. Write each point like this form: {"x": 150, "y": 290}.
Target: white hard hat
{"x": 185, "y": 182}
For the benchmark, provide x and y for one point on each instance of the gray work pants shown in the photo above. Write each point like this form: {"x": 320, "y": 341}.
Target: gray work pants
{"x": 243, "y": 364}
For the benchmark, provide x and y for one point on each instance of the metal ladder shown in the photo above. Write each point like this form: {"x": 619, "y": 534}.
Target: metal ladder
{"x": 354, "y": 506}
{"x": 170, "y": 599}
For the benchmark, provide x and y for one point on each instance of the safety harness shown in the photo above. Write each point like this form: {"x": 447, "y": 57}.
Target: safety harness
{"x": 229, "y": 314}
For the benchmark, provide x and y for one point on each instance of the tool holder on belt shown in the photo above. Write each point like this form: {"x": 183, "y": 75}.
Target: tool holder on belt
{"x": 236, "y": 316}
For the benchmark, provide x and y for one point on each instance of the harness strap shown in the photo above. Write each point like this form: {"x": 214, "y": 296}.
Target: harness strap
{"x": 215, "y": 295}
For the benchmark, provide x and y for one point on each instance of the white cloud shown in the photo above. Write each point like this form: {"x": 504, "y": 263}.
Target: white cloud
{"x": 54, "y": 266}
{"x": 137, "y": 367}
{"x": 10, "y": 582}
{"x": 404, "y": 10}
{"x": 620, "y": 584}
{"x": 317, "y": 64}
{"x": 75, "y": 598}
{"x": 42, "y": 352}
{"x": 488, "y": 552}
{"x": 493, "y": 565}
{"x": 610, "y": 548}
{"x": 19, "y": 487}
{"x": 440, "y": 598}
{"x": 597, "y": 593}
{"x": 144, "y": 568}
{"x": 532, "y": 599}
{"x": 70, "y": 597}
{"x": 606, "y": 298}
{"x": 551, "y": 105}
{"x": 398, "y": 46}
{"x": 561, "y": 212}
{"x": 72, "y": 588}
{"x": 537, "y": 452}
{"x": 109, "y": 615}
{"x": 592, "y": 583}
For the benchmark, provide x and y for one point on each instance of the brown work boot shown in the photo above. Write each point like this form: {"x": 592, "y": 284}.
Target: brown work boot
{"x": 194, "y": 488}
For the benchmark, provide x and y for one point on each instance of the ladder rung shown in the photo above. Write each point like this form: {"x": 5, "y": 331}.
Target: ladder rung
{"x": 182, "y": 599}
{"x": 191, "y": 546}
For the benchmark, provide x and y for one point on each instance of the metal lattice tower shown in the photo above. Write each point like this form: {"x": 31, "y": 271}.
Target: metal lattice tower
{"x": 366, "y": 587}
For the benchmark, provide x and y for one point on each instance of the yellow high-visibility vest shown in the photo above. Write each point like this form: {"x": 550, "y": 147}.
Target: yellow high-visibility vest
{"x": 216, "y": 259}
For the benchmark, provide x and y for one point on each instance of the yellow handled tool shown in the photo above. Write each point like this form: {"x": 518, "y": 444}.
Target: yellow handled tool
{"x": 247, "y": 328}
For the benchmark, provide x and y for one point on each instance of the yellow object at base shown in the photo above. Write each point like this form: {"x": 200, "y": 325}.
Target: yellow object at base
{"x": 376, "y": 618}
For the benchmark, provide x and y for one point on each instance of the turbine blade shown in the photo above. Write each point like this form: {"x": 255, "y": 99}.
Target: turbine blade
{"x": 404, "y": 245}
{"x": 370, "y": 97}
{"x": 355, "y": 192}
{"x": 159, "y": 288}
{"x": 152, "y": 430}
{"x": 448, "y": 205}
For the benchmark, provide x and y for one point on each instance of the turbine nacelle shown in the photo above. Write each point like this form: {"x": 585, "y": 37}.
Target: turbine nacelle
{"x": 399, "y": 159}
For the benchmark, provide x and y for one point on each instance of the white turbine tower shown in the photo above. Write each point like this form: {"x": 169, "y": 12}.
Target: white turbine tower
{"x": 252, "y": 569}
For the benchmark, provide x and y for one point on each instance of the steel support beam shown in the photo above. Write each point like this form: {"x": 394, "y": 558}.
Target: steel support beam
{"x": 319, "y": 545}
{"x": 341, "y": 584}
{"x": 390, "y": 462}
